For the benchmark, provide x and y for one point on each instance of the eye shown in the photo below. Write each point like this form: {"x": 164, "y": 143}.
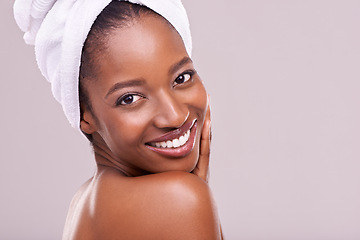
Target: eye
{"x": 128, "y": 99}
{"x": 183, "y": 78}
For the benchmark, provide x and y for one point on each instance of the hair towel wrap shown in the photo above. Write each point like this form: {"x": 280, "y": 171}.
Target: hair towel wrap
{"x": 58, "y": 29}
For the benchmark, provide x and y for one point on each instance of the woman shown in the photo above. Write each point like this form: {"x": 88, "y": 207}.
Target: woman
{"x": 145, "y": 111}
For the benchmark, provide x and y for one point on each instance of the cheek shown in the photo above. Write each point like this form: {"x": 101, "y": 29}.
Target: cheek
{"x": 123, "y": 129}
{"x": 198, "y": 98}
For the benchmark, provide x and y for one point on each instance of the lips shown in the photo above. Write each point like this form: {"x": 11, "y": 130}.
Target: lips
{"x": 174, "y": 143}
{"x": 177, "y": 143}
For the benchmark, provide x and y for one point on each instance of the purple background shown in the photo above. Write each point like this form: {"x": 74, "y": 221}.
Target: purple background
{"x": 284, "y": 79}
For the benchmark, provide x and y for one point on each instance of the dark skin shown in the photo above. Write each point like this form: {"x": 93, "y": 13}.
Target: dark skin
{"x": 136, "y": 191}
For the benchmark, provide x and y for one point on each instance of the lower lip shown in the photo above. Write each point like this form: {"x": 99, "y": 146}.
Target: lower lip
{"x": 180, "y": 151}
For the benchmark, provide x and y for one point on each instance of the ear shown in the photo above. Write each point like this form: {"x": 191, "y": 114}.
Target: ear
{"x": 87, "y": 120}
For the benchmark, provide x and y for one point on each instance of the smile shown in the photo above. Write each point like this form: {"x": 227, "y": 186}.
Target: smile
{"x": 177, "y": 143}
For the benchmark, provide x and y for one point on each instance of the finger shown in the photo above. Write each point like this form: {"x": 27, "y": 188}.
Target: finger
{"x": 202, "y": 166}
{"x": 208, "y": 110}
{"x": 208, "y": 114}
{"x": 204, "y": 157}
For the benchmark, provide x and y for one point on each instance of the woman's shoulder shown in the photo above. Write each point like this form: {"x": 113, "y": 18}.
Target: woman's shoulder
{"x": 171, "y": 205}
{"x": 154, "y": 184}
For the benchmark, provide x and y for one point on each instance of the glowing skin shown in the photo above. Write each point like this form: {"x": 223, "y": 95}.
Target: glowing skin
{"x": 149, "y": 104}
{"x": 149, "y": 115}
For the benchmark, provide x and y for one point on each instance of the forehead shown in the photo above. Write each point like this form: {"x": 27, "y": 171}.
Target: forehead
{"x": 148, "y": 43}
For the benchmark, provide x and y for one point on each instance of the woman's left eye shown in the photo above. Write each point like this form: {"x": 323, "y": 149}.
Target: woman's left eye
{"x": 183, "y": 78}
{"x": 128, "y": 99}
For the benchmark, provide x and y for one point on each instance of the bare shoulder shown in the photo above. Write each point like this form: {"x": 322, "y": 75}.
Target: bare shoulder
{"x": 172, "y": 205}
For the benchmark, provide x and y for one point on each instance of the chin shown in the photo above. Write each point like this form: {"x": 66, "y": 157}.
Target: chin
{"x": 185, "y": 165}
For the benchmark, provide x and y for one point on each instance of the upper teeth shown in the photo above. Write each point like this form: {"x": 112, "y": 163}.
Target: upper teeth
{"x": 175, "y": 143}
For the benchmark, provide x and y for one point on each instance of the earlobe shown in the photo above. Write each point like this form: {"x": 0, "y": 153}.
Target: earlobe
{"x": 87, "y": 121}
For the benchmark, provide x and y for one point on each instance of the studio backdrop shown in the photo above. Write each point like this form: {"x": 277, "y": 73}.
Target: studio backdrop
{"x": 284, "y": 81}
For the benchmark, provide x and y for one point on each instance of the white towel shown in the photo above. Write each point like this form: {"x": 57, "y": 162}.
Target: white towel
{"x": 58, "y": 29}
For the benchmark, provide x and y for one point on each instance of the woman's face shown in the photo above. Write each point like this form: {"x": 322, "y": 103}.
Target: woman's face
{"x": 148, "y": 101}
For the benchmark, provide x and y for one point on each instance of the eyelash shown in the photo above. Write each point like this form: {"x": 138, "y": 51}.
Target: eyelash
{"x": 189, "y": 72}
{"x": 132, "y": 95}
{"x": 138, "y": 96}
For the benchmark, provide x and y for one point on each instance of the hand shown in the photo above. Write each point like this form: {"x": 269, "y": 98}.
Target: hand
{"x": 202, "y": 166}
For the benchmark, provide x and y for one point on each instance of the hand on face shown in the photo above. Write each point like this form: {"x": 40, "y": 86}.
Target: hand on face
{"x": 202, "y": 166}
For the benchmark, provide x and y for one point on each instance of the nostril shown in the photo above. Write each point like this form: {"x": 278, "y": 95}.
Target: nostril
{"x": 171, "y": 120}
{"x": 172, "y": 112}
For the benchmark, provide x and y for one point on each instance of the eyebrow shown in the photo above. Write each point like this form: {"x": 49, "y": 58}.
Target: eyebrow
{"x": 119, "y": 85}
{"x": 139, "y": 82}
{"x": 179, "y": 64}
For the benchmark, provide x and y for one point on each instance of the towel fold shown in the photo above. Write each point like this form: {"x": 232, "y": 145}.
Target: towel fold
{"x": 58, "y": 29}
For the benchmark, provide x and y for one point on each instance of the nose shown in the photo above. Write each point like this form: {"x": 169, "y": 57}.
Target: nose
{"x": 171, "y": 112}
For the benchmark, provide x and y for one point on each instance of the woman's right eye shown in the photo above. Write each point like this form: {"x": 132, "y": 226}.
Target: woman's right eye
{"x": 128, "y": 99}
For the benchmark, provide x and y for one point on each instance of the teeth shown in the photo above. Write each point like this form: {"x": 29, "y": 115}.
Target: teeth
{"x": 175, "y": 143}
{"x": 169, "y": 144}
{"x": 187, "y": 135}
{"x": 182, "y": 140}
